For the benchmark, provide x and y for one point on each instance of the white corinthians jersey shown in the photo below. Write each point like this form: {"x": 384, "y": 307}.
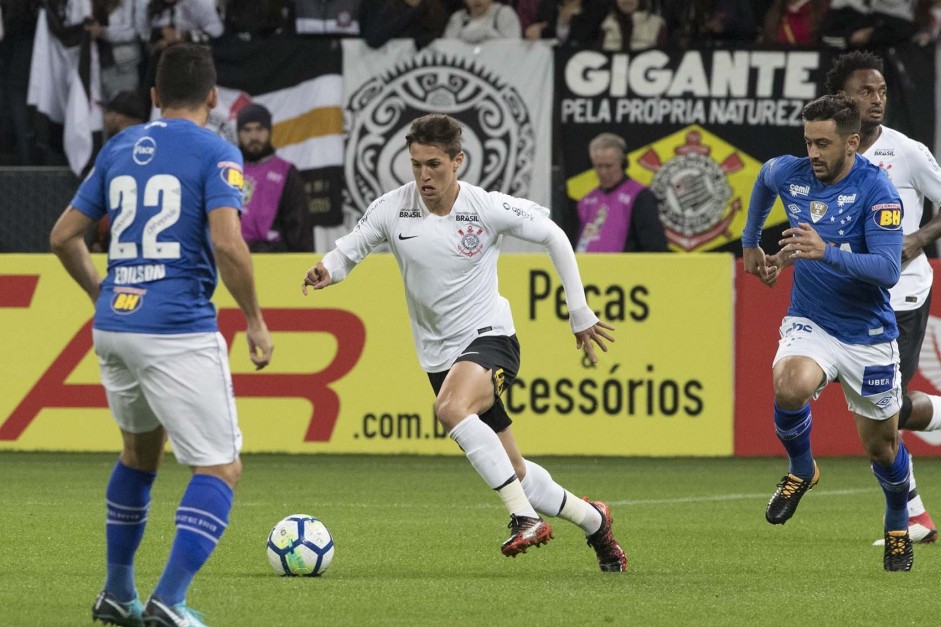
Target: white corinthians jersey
{"x": 449, "y": 264}
{"x": 916, "y": 175}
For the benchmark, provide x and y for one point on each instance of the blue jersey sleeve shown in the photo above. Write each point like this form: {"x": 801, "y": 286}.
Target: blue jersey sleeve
{"x": 762, "y": 199}
{"x": 224, "y": 181}
{"x": 90, "y": 198}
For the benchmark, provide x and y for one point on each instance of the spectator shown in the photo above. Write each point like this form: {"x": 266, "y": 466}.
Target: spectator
{"x": 127, "y": 108}
{"x": 871, "y": 23}
{"x": 525, "y": 10}
{"x": 119, "y": 35}
{"x": 382, "y": 20}
{"x": 275, "y": 217}
{"x": 182, "y": 20}
{"x": 620, "y": 215}
{"x": 630, "y": 25}
{"x": 483, "y": 20}
{"x": 171, "y": 21}
{"x": 794, "y": 22}
{"x": 258, "y": 17}
{"x": 928, "y": 14}
{"x": 709, "y": 22}
{"x": 327, "y": 17}
{"x": 16, "y": 49}
{"x": 574, "y": 23}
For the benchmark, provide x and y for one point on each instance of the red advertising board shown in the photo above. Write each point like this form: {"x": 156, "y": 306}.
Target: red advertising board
{"x": 758, "y": 313}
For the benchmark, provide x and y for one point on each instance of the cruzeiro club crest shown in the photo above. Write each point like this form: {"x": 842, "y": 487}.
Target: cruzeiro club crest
{"x": 499, "y": 140}
{"x": 698, "y": 203}
{"x": 817, "y": 210}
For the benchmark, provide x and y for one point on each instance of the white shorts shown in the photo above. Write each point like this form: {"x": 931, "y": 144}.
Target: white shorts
{"x": 179, "y": 381}
{"x": 868, "y": 373}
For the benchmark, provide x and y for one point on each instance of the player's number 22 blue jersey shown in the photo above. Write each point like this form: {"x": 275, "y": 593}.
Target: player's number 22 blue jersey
{"x": 157, "y": 183}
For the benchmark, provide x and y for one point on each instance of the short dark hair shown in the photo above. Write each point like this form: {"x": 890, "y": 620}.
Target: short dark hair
{"x": 840, "y": 109}
{"x": 436, "y": 129}
{"x": 185, "y": 75}
{"x": 848, "y": 63}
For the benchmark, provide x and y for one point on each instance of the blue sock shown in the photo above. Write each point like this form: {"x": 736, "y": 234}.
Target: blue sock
{"x": 127, "y": 499}
{"x": 200, "y": 520}
{"x": 793, "y": 429}
{"x": 894, "y": 481}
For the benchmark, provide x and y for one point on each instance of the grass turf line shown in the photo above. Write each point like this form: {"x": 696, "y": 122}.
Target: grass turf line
{"x": 418, "y": 544}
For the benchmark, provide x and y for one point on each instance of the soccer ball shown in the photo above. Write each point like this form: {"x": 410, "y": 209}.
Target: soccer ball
{"x": 300, "y": 545}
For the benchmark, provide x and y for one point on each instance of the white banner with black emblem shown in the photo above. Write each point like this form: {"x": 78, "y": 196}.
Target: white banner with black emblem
{"x": 505, "y": 107}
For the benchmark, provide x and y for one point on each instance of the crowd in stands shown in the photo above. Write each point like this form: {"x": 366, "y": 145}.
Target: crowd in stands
{"x": 131, "y": 34}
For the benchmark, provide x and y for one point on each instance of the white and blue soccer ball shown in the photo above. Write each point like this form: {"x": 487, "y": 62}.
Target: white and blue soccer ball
{"x": 300, "y": 545}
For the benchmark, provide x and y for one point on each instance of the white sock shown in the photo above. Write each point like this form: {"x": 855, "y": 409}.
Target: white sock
{"x": 488, "y": 457}
{"x": 915, "y": 505}
{"x": 935, "y": 423}
{"x": 551, "y": 499}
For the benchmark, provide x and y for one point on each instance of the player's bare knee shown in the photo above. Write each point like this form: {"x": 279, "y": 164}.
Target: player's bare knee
{"x": 791, "y": 390}
{"x": 882, "y": 450}
{"x": 449, "y": 412}
{"x": 790, "y": 399}
{"x": 230, "y": 473}
{"x": 143, "y": 451}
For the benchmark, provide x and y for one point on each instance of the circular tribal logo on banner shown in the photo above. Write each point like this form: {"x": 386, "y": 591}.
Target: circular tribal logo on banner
{"x": 498, "y": 139}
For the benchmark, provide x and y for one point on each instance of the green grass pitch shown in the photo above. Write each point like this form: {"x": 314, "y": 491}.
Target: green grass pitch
{"x": 418, "y": 544}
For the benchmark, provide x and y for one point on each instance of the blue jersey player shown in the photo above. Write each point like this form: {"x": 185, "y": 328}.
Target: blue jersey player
{"x": 845, "y": 240}
{"x": 172, "y": 191}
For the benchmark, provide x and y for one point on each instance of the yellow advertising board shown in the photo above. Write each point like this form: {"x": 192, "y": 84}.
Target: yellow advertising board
{"x": 345, "y": 378}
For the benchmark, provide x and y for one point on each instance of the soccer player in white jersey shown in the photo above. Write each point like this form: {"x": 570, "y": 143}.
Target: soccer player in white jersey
{"x": 845, "y": 240}
{"x": 172, "y": 190}
{"x": 916, "y": 175}
{"x": 446, "y": 237}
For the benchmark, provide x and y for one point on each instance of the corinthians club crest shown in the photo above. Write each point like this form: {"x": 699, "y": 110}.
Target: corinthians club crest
{"x": 698, "y": 204}
{"x": 498, "y": 139}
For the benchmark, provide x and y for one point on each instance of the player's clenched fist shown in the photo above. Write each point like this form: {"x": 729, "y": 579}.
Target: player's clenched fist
{"x": 317, "y": 277}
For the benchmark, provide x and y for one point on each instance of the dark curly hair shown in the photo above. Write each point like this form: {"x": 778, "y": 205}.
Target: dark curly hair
{"x": 840, "y": 109}
{"x": 848, "y": 63}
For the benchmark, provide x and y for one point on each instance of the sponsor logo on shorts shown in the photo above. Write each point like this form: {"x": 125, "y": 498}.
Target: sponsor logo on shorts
{"x": 498, "y": 380}
{"x": 878, "y": 380}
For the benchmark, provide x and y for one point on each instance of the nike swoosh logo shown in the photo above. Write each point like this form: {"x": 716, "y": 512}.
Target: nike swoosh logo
{"x": 405, "y": 237}
{"x": 471, "y": 353}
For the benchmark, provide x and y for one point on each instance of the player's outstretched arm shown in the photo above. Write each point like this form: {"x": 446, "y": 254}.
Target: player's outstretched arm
{"x": 235, "y": 268}
{"x": 67, "y": 241}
